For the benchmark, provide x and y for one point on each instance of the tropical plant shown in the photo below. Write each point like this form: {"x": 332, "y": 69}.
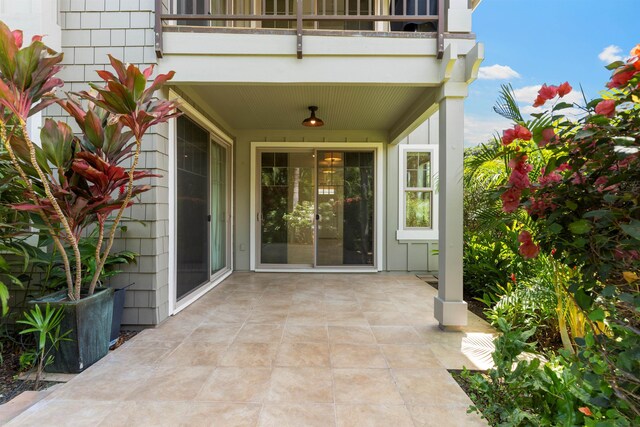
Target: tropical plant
{"x": 524, "y": 390}
{"x": 46, "y": 328}
{"x": 73, "y": 184}
{"x": 584, "y": 210}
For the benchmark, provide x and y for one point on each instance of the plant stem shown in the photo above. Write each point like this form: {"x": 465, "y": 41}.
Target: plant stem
{"x": 103, "y": 259}
{"x": 34, "y": 199}
{"x": 56, "y": 207}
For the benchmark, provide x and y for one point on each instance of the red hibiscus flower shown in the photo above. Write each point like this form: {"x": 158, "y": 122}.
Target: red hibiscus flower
{"x": 606, "y": 107}
{"x": 508, "y": 136}
{"x": 522, "y": 132}
{"x": 527, "y": 249}
{"x": 548, "y": 92}
{"x": 539, "y": 101}
{"x": 511, "y": 199}
{"x": 564, "y": 89}
{"x": 621, "y": 78}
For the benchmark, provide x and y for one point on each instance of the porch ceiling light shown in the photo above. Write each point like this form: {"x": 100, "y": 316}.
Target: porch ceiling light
{"x": 312, "y": 121}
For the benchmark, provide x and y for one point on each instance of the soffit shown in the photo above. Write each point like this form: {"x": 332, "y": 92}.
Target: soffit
{"x": 285, "y": 106}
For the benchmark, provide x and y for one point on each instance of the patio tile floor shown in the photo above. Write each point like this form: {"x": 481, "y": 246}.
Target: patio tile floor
{"x": 284, "y": 349}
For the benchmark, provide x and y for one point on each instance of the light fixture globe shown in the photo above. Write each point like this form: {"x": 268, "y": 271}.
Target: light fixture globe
{"x": 312, "y": 121}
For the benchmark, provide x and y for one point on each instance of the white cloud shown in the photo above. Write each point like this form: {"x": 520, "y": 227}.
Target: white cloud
{"x": 497, "y": 72}
{"x": 610, "y": 54}
{"x": 480, "y": 129}
{"x": 527, "y": 94}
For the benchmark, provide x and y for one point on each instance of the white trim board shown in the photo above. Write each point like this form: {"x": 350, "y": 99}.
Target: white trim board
{"x": 416, "y": 234}
{"x": 379, "y": 232}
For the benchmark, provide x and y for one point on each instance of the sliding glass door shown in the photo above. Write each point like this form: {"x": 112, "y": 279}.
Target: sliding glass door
{"x": 202, "y": 203}
{"x": 316, "y": 208}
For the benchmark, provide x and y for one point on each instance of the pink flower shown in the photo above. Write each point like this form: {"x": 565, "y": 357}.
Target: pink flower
{"x": 508, "y": 135}
{"x": 539, "y": 101}
{"x": 564, "y": 89}
{"x": 621, "y": 78}
{"x": 548, "y": 92}
{"x": 511, "y": 199}
{"x": 519, "y": 179}
{"x": 522, "y": 132}
{"x": 527, "y": 249}
{"x": 563, "y": 167}
{"x": 551, "y": 178}
{"x": 606, "y": 107}
{"x": 548, "y": 136}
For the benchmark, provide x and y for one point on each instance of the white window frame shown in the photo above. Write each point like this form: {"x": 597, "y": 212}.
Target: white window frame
{"x": 416, "y": 233}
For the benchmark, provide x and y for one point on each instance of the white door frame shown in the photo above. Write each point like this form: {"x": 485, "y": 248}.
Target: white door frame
{"x": 377, "y": 147}
{"x": 216, "y": 136}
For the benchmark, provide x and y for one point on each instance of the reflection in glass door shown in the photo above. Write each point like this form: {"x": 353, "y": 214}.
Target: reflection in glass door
{"x": 287, "y": 208}
{"x": 192, "y": 206}
{"x": 345, "y": 208}
{"x": 202, "y": 200}
{"x": 316, "y": 209}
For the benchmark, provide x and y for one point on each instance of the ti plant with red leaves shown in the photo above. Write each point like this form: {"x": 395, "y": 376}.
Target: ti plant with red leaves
{"x": 73, "y": 183}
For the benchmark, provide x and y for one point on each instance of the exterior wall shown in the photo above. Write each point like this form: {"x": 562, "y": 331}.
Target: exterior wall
{"x": 242, "y": 159}
{"x": 407, "y": 255}
{"x": 91, "y": 29}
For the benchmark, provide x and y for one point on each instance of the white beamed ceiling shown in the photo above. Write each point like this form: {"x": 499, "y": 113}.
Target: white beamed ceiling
{"x": 365, "y": 107}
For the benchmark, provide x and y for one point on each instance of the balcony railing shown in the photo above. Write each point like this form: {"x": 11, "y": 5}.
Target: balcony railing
{"x": 301, "y": 15}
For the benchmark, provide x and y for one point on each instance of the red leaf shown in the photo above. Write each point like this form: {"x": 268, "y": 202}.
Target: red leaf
{"x": 105, "y": 75}
{"x": 17, "y": 36}
{"x": 36, "y": 39}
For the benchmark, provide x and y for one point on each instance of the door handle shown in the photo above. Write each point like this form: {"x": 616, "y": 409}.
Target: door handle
{"x": 317, "y": 217}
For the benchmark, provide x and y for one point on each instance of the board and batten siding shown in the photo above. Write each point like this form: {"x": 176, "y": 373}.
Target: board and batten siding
{"x": 407, "y": 255}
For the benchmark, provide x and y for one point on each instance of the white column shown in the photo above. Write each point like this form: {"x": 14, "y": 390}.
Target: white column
{"x": 449, "y": 308}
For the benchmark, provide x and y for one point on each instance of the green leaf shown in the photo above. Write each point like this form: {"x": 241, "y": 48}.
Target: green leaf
{"x": 614, "y": 65}
{"x": 584, "y": 133}
{"x": 555, "y": 228}
{"x": 580, "y": 226}
{"x": 571, "y": 205}
{"x": 596, "y": 315}
{"x": 632, "y": 229}
{"x": 562, "y": 105}
{"x": 4, "y": 298}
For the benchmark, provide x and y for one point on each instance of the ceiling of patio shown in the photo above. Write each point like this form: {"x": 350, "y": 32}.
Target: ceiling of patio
{"x": 285, "y": 106}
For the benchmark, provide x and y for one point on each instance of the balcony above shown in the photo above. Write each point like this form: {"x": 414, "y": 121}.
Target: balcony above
{"x": 432, "y": 20}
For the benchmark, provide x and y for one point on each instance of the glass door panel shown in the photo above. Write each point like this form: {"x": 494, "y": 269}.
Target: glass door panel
{"x": 345, "y": 208}
{"x": 192, "y": 220}
{"x": 287, "y": 208}
{"x": 219, "y": 207}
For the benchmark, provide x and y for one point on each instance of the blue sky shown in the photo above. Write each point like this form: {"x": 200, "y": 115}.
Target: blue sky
{"x": 545, "y": 41}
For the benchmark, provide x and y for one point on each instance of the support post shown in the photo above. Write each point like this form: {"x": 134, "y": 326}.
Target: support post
{"x": 299, "y": 7}
{"x": 449, "y": 308}
{"x": 157, "y": 28}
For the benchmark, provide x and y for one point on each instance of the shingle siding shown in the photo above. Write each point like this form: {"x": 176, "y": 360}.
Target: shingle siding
{"x": 92, "y": 29}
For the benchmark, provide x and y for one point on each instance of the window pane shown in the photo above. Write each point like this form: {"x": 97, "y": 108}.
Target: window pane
{"x": 412, "y": 178}
{"x": 412, "y": 160}
{"x": 418, "y": 209}
{"x": 424, "y": 168}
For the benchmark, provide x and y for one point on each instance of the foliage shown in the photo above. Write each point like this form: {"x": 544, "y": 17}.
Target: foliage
{"x": 46, "y": 327}
{"x": 524, "y": 390}
{"x": 583, "y": 210}
{"x": 71, "y": 183}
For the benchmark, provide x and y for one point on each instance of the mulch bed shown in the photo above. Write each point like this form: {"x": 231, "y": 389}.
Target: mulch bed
{"x": 466, "y": 386}
{"x": 11, "y": 386}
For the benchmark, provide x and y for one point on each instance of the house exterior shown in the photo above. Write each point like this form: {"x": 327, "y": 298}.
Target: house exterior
{"x": 245, "y": 186}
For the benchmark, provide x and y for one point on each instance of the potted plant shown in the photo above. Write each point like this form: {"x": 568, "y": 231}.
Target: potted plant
{"x": 75, "y": 184}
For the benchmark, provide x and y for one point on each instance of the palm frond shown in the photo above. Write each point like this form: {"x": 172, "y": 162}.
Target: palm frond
{"x": 506, "y": 105}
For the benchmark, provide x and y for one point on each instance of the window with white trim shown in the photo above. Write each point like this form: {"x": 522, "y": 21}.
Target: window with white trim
{"x": 418, "y": 203}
